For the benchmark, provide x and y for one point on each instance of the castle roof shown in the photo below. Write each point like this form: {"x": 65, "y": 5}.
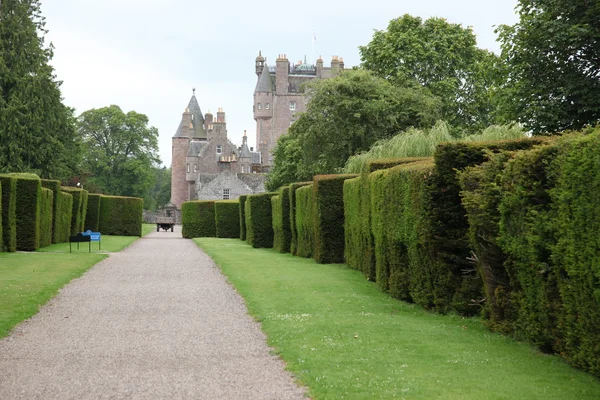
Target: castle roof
{"x": 197, "y": 121}
{"x": 264, "y": 84}
{"x": 195, "y": 148}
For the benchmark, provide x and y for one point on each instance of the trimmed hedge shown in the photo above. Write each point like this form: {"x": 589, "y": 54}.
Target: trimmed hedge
{"x": 359, "y": 249}
{"x": 120, "y": 215}
{"x": 242, "y": 201}
{"x": 293, "y": 230}
{"x": 305, "y": 221}
{"x": 227, "y": 218}
{"x": 53, "y": 185}
{"x": 80, "y": 197}
{"x": 282, "y": 235}
{"x": 259, "y": 220}
{"x": 328, "y": 196}
{"x": 387, "y": 163}
{"x": 198, "y": 219}
{"x": 64, "y": 211}
{"x": 1, "y": 242}
{"x": 9, "y": 213}
{"x": 92, "y": 216}
{"x": 29, "y": 202}
{"x": 46, "y": 215}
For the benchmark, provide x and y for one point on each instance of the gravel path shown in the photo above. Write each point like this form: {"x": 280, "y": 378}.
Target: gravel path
{"x": 143, "y": 324}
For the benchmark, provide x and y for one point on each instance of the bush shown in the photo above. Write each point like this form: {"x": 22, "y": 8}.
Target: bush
{"x": 46, "y": 212}
{"x": 1, "y": 241}
{"x": 92, "y": 216}
{"x": 227, "y": 218}
{"x": 242, "y": 201}
{"x": 55, "y": 187}
{"x": 120, "y": 215}
{"x": 29, "y": 202}
{"x": 282, "y": 235}
{"x": 9, "y": 213}
{"x": 198, "y": 219}
{"x": 79, "y": 208}
{"x": 387, "y": 163}
{"x": 64, "y": 210}
{"x": 293, "y": 231}
{"x": 328, "y": 196}
{"x": 305, "y": 221}
{"x": 259, "y": 220}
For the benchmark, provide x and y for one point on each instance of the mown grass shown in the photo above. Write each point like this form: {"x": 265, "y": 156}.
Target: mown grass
{"x": 343, "y": 338}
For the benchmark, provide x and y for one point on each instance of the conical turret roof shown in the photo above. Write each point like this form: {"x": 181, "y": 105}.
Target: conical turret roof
{"x": 264, "y": 84}
{"x": 197, "y": 121}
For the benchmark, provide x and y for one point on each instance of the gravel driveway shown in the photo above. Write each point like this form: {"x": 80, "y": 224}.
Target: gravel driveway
{"x": 155, "y": 321}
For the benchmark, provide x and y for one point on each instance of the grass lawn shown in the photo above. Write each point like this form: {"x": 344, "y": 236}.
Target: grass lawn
{"x": 343, "y": 338}
{"x": 29, "y": 280}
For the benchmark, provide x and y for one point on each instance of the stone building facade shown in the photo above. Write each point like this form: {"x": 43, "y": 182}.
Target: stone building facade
{"x": 279, "y": 95}
{"x": 206, "y": 165}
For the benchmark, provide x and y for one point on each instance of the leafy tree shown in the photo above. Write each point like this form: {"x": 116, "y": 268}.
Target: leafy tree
{"x": 288, "y": 162}
{"x": 553, "y": 59}
{"x": 160, "y": 193}
{"x": 442, "y": 57}
{"x": 119, "y": 151}
{"x": 37, "y": 132}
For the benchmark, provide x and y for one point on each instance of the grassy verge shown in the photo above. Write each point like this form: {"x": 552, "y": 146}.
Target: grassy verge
{"x": 343, "y": 338}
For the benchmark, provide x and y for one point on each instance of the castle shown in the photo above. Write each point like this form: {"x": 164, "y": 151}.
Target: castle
{"x": 207, "y": 166}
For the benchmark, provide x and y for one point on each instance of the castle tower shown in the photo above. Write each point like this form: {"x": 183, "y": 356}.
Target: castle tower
{"x": 245, "y": 160}
{"x": 263, "y": 113}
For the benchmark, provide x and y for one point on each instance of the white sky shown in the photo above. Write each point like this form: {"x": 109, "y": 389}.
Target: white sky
{"x": 147, "y": 55}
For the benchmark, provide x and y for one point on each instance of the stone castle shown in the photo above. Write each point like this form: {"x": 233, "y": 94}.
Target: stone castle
{"x": 207, "y": 166}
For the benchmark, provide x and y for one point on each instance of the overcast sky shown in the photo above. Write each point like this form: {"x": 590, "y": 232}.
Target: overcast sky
{"x": 147, "y": 55}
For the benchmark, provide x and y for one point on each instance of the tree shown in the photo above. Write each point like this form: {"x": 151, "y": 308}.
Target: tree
{"x": 345, "y": 115}
{"x": 37, "y": 132}
{"x": 160, "y": 192}
{"x": 119, "y": 151}
{"x": 553, "y": 60}
{"x": 442, "y": 57}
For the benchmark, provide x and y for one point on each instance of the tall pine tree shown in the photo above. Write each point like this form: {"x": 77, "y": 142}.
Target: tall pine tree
{"x": 37, "y": 131}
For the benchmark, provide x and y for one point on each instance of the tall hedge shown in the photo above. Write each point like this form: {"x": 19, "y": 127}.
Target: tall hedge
{"x": 64, "y": 211}
{"x": 282, "y": 235}
{"x": 387, "y": 163}
{"x": 92, "y": 214}
{"x": 305, "y": 221}
{"x": 120, "y": 215}
{"x": 29, "y": 202}
{"x": 198, "y": 219}
{"x": 359, "y": 249}
{"x": 259, "y": 220}
{"x": 242, "y": 211}
{"x": 9, "y": 212}
{"x": 1, "y": 241}
{"x": 80, "y": 198}
{"x": 328, "y": 195}
{"x": 53, "y": 185}
{"x": 46, "y": 213}
{"x": 293, "y": 230}
{"x": 227, "y": 218}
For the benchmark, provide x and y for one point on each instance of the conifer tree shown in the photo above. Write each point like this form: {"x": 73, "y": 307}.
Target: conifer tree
{"x": 37, "y": 131}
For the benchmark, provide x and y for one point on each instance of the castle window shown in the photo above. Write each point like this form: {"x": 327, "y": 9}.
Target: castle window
{"x": 195, "y": 167}
{"x": 293, "y": 105}
{"x": 225, "y": 194}
{"x": 188, "y": 168}
{"x": 219, "y": 149}
{"x": 260, "y": 106}
{"x": 267, "y": 106}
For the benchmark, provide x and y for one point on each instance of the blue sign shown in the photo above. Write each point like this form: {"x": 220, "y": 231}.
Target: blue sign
{"x": 95, "y": 236}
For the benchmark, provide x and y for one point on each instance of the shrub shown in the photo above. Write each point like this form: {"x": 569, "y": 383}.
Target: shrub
{"x": 242, "y": 201}
{"x": 29, "y": 202}
{"x": 292, "y": 197}
{"x": 93, "y": 213}
{"x": 328, "y": 196}
{"x": 120, "y": 215}
{"x": 55, "y": 187}
{"x": 79, "y": 208}
{"x": 305, "y": 221}
{"x": 387, "y": 163}
{"x": 198, "y": 219}
{"x": 259, "y": 220}
{"x": 9, "y": 212}
{"x": 1, "y": 241}
{"x": 46, "y": 212}
{"x": 227, "y": 218}
{"x": 64, "y": 210}
{"x": 282, "y": 235}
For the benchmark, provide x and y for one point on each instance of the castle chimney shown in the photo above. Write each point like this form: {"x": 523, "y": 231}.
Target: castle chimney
{"x": 220, "y": 115}
{"x": 282, "y": 71}
{"x": 208, "y": 118}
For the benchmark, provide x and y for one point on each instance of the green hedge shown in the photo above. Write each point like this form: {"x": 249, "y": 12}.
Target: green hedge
{"x": 328, "y": 196}
{"x": 387, "y": 163}
{"x": 282, "y": 235}
{"x": 46, "y": 214}
{"x": 198, "y": 219}
{"x": 92, "y": 215}
{"x": 9, "y": 213}
{"x": 242, "y": 202}
{"x": 64, "y": 211}
{"x": 120, "y": 215}
{"x": 29, "y": 202}
{"x": 259, "y": 220}
{"x": 227, "y": 218}
{"x": 55, "y": 187}
{"x": 305, "y": 221}
{"x": 293, "y": 230}
{"x": 80, "y": 198}
{"x": 1, "y": 241}
{"x": 359, "y": 249}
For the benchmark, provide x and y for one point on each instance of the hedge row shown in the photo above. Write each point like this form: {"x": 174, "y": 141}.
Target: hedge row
{"x": 305, "y": 221}
{"x": 53, "y": 185}
{"x": 198, "y": 219}
{"x": 227, "y": 219}
{"x": 92, "y": 215}
{"x": 259, "y": 220}
{"x": 282, "y": 235}
{"x": 120, "y": 215}
{"x": 293, "y": 230}
{"x": 359, "y": 249}
{"x": 80, "y": 198}
{"x": 242, "y": 211}
{"x": 46, "y": 215}
{"x": 29, "y": 200}
{"x": 63, "y": 217}
{"x": 9, "y": 214}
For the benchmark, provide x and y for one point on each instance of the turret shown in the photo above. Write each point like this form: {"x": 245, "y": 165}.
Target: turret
{"x": 259, "y": 63}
